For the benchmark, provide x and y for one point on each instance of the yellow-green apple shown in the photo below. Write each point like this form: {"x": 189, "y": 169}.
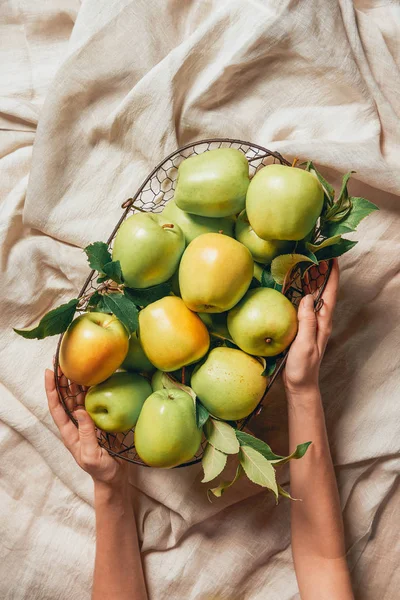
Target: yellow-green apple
{"x": 115, "y": 404}
{"x": 229, "y": 383}
{"x": 166, "y": 434}
{"x": 171, "y": 335}
{"x": 263, "y": 251}
{"x": 156, "y": 381}
{"x": 93, "y": 347}
{"x": 214, "y": 273}
{"x": 213, "y": 184}
{"x": 194, "y": 225}
{"x": 263, "y": 323}
{"x": 149, "y": 248}
{"x": 283, "y": 203}
{"x": 136, "y": 360}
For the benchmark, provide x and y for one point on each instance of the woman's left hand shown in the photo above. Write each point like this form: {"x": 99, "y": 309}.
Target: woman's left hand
{"x": 82, "y": 442}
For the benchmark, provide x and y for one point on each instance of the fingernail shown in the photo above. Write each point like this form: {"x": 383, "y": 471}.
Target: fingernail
{"x": 309, "y": 301}
{"x": 80, "y": 417}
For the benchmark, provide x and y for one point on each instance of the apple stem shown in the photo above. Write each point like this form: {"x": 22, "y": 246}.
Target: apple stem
{"x": 168, "y": 226}
{"x": 183, "y": 375}
{"x": 295, "y": 160}
{"x": 268, "y": 340}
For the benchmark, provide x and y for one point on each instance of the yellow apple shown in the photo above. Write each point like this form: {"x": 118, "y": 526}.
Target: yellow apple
{"x": 214, "y": 273}
{"x": 171, "y": 335}
{"x": 93, "y": 347}
{"x": 263, "y": 251}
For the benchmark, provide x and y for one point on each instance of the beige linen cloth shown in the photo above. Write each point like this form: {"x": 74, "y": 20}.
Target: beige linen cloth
{"x": 104, "y": 90}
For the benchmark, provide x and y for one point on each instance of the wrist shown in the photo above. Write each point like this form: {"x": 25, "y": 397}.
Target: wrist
{"x": 305, "y": 395}
{"x": 111, "y": 493}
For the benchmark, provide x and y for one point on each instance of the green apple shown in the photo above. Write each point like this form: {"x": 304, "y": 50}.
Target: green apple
{"x": 115, "y": 404}
{"x": 149, "y": 248}
{"x": 214, "y": 273}
{"x": 93, "y": 347}
{"x": 136, "y": 360}
{"x": 263, "y": 323}
{"x": 283, "y": 203}
{"x": 194, "y": 225}
{"x": 263, "y": 251}
{"x": 156, "y": 381}
{"x": 213, "y": 184}
{"x": 229, "y": 383}
{"x": 166, "y": 433}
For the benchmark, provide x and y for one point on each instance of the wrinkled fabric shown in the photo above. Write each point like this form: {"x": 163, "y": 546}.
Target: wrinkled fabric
{"x": 101, "y": 91}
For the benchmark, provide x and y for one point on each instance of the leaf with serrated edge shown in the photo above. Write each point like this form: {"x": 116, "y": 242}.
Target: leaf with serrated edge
{"x": 298, "y": 453}
{"x": 170, "y": 383}
{"x": 98, "y": 255}
{"x": 123, "y": 309}
{"x": 213, "y": 463}
{"x": 258, "y": 469}
{"x": 202, "y": 414}
{"x": 113, "y": 271}
{"x": 224, "y": 485}
{"x": 245, "y": 439}
{"x": 328, "y": 242}
{"x": 336, "y": 250}
{"x": 221, "y": 436}
{"x": 283, "y": 264}
{"x": 54, "y": 322}
{"x": 361, "y": 208}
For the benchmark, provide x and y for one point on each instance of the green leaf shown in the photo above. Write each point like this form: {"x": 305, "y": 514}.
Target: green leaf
{"x": 270, "y": 366}
{"x": 202, "y": 414}
{"x": 120, "y": 306}
{"x": 341, "y": 208}
{"x": 169, "y": 383}
{"x": 324, "y": 244}
{"x": 54, "y": 322}
{"x": 94, "y": 299}
{"x": 268, "y": 281}
{"x": 328, "y": 189}
{"x": 221, "y": 436}
{"x": 258, "y": 469}
{"x": 213, "y": 462}
{"x": 224, "y": 485}
{"x": 146, "y": 296}
{"x": 336, "y": 250}
{"x": 298, "y": 453}
{"x": 361, "y": 208}
{"x": 286, "y": 494}
{"x": 245, "y": 439}
{"x": 283, "y": 264}
{"x": 113, "y": 271}
{"x": 98, "y": 255}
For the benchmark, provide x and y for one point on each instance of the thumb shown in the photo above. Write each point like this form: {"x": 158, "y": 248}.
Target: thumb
{"x": 87, "y": 436}
{"x": 307, "y": 320}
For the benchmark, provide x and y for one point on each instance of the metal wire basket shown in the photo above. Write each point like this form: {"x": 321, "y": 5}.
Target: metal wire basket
{"x": 152, "y": 196}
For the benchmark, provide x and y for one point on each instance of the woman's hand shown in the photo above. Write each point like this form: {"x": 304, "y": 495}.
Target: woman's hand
{"x": 82, "y": 442}
{"x": 305, "y": 354}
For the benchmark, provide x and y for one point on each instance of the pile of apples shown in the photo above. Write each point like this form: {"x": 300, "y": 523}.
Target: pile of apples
{"x": 210, "y": 242}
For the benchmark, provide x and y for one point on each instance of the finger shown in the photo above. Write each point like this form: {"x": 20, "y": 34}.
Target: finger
{"x": 307, "y": 321}
{"x": 325, "y": 315}
{"x": 66, "y": 427}
{"x": 90, "y": 449}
